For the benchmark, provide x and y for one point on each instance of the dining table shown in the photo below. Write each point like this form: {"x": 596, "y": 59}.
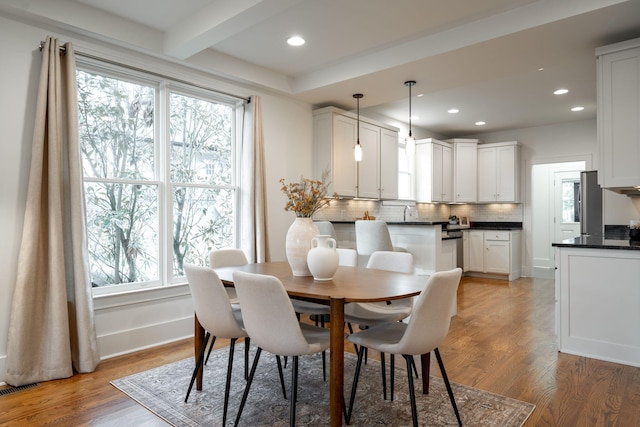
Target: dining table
{"x": 349, "y": 284}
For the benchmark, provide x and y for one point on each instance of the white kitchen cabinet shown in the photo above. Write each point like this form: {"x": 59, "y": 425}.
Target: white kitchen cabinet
{"x": 465, "y": 250}
{"x": 499, "y": 172}
{"x": 434, "y": 171}
{"x": 619, "y": 115}
{"x": 497, "y": 248}
{"x": 369, "y": 167}
{"x": 388, "y": 164}
{"x": 334, "y": 138}
{"x": 465, "y": 172}
{"x": 492, "y": 252}
{"x": 599, "y": 303}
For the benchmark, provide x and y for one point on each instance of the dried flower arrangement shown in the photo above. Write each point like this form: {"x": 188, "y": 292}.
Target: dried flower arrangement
{"x": 307, "y": 196}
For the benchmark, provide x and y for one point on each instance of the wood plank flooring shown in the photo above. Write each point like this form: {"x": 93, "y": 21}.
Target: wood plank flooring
{"x": 502, "y": 340}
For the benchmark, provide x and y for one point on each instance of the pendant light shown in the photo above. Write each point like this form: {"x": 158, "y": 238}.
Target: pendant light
{"x": 410, "y": 141}
{"x": 358, "y": 148}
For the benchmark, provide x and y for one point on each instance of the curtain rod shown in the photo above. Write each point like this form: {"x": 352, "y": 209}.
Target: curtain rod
{"x": 63, "y": 51}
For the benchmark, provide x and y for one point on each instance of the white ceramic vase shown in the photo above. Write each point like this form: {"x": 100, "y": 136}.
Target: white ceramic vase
{"x": 323, "y": 258}
{"x": 298, "y": 244}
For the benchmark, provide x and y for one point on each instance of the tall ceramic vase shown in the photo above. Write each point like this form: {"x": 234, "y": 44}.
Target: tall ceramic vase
{"x": 298, "y": 244}
{"x": 323, "y": 258}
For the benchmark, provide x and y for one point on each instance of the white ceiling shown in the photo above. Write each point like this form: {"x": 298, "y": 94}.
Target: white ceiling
{"x": 482, "y": 57}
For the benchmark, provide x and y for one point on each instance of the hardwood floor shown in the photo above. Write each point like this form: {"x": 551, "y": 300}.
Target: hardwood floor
{"x": 502, "y": 340}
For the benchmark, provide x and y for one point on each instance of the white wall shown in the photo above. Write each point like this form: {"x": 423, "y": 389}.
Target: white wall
{"x": 147, "y": 318}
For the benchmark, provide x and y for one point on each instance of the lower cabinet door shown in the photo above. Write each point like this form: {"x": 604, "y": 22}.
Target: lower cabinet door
{"x": 496, "y": 256}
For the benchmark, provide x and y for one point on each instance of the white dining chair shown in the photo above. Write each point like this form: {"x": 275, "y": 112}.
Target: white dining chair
{"x": 226, "y": 257}
{"x": 370, "y": 313}
{"x": 271, "y": 322}
{"x": 426, "y": 330}
{"x": 373, "y": 236}
{"x": 217, "y": 317}
{"x": 366, "y": 314}
{"x": 326, "y": 228}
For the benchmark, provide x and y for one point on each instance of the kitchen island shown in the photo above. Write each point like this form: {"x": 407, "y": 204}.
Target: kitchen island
{"x": 423, "y": 239}
{"x": 598, "y": 298}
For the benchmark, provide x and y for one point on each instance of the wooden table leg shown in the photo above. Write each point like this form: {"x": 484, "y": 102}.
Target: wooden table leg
{"x": 198, "y": 339}
{"x": 336, "y": 361}
{"x": 425, "y": 360}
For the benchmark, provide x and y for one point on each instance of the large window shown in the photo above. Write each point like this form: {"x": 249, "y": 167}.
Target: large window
{"x": 159, "y": 164}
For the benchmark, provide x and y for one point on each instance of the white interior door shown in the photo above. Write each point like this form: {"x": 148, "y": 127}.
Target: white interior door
{"x": 543, "y": 208}
{"x": 566, "y": 219}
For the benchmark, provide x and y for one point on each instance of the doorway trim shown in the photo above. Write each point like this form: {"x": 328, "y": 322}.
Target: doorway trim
{"x": 528, "y": 209}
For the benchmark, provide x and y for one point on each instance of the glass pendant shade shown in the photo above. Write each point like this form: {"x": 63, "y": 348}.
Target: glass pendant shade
{"x": 357, "y": 149}
{"x": 410, "y": 145}
{"x": 358, "y": 152}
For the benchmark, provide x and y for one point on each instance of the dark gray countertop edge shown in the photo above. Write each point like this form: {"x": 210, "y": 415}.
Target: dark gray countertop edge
{"x": 599, "y": 243}
{"x": 473, "y": 226}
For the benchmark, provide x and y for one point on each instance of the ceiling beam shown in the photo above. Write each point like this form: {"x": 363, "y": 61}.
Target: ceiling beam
{"x": 218, "y": 21}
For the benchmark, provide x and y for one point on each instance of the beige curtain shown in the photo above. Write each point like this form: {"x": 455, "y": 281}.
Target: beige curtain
{"x": 254, "y": 237}
{"x": 51, "y": 329}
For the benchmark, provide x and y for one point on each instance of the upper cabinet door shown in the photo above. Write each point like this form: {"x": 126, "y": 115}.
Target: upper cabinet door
{"x": 369, "y": 167}
{"x": 433, "y": 171}
{"x": 388, "y": 164}
{"x": 465, "y": 172}
{"x": 344, "y": 164}
{"x": 487, "y": 174}
{"x": 619, "y": 117}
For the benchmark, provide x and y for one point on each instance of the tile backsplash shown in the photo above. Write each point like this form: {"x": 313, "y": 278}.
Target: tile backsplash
{"x": 349, "y": 210}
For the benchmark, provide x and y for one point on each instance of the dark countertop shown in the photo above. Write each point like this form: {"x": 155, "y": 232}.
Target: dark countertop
{"x": 473, "y": 225}
{"x": 598, "y": 242}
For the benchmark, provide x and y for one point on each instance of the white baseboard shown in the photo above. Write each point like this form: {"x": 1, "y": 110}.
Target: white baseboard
{"x": 129, "y": 341}
{"x": 3, "y": 369}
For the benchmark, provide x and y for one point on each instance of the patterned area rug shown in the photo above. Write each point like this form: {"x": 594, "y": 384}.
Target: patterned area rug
{"x": 162, "y": 391}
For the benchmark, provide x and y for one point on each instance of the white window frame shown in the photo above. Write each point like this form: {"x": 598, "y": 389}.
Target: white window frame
{"x": 164, "y": 86}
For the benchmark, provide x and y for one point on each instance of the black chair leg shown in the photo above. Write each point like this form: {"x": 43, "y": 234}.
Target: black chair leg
{"x": 415, "y": 369}
{"x": 198, "y": 364}
{"x": 354, "y": 387}
{"x": 392, "y": 374}
{"x": 294, "y": 392}
{"x": 213, "y": 341}
{"x": 324, "y": 366}
{"x": 248, "y": 386}
{"x": 412, "y": 392}
{"x": 227, "y": 385}
{"x": 448, "y": 384}
{"x": 247, "y": 344}
{"x": 383, "y": 368}
{"x": 284, "y": 392}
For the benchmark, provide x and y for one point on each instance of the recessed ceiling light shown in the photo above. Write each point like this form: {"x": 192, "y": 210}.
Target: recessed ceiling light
{"x": 453, "y": 111}
{"x": 296, "y": 41}
{"x": 541, "y": 69}
{"x": 560, "y": 91}
{"x": 481, "y": 123}
{"x": 420, "y": 94}
{"x": 577, "y": 108}
{"x": 415, "y": 117}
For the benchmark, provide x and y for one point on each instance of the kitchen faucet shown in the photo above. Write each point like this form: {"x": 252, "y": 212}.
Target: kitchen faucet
{"x": 404, "y": 214}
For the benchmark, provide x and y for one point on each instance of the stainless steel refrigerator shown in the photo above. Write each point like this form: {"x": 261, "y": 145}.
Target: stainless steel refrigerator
{"x": 590, "y": 204}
